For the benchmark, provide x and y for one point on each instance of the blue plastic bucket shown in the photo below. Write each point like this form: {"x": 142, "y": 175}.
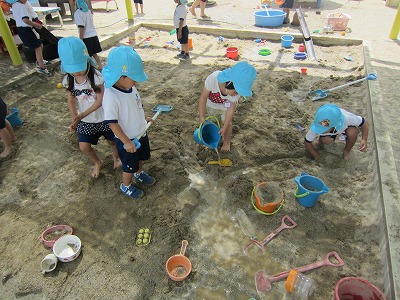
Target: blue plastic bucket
{"x": 14, "y": 118}
{"x": 207, "y": 135}
{"x": 286, "y": 41}
{"x": 309, "y": 188}
{"x": 274, "y": 18}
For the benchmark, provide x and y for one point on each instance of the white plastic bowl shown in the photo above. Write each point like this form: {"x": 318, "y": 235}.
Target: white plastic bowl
{"x": 67, "y": 248}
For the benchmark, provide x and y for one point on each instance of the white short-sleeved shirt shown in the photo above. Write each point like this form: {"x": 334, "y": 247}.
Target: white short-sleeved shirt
{"x": 215, "y": 98}
{"x": 180, "y": 13}
{"x": 30, "y": 10}
{"x": 85, "y": 19}
{"x": 126, "y": 109}
{"x": 350, "y": 119}
{"x": 86, "y": 96}
{"x": 20, "y": 11}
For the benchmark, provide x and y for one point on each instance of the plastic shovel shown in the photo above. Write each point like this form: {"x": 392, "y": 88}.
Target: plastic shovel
{"x": 320, "y": 94}
{"x": 264, "y": 281}
{"x": 266, "y": 240}
{"x": 223, "y": 162}
{"x": 158, "y": 109}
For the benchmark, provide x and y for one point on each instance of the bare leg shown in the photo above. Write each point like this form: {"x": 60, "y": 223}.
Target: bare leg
{"x": 351, "y": 139}
{"x": 193, "y": 7}
{"x": 117, "y": 161}
{"x": 141, "y": 8}
{"x": 202, "y": 9}
{"x": 98, "y": 61}
{"x": 7, "y": 137}
{"x": 185, "y": 48}
{"x": 10, "y": 131}
{"x": 39, "y": 56}
{"x": 126, "y": 178}
{"x": 89, "y": 151}
{"x": 226, "y": 146}
{"x": 137, "y": 8}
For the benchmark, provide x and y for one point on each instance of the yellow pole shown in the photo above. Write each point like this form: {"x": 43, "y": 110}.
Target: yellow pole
{"x": 9, "y": 41}
{"x": 129, "y": 11}
{"x": 394, "y": 33}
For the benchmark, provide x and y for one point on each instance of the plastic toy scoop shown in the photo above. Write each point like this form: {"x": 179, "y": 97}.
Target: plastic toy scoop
{"x": 223, "y": 162}
{"x": 264, "y": 281}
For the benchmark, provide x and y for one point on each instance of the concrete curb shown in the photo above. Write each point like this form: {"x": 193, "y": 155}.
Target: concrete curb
{"x": 387, "y": 186}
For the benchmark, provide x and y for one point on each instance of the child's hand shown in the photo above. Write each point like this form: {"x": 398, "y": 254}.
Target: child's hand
{"x": 202, "y": 119}
{"x": 222, "y": 131}
{"x": 363, "y": 146}
{"x": 130, "y": 147}
{"x": 149, "y": 119}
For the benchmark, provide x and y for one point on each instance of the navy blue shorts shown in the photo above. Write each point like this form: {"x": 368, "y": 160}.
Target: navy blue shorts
{"x": 130, "y": 161}
{"x": 185, "y": 35}
{"x": 93, "y": 45}
{"x": 138, "y": 1}
{"x": 91, "y": 132}
{"x": 287, "y": 4}
{"x": 3, "y": 114}
{"x": 28, "y": 37}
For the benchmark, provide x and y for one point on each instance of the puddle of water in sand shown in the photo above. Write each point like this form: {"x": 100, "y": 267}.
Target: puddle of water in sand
{"x": 221, "y": 243}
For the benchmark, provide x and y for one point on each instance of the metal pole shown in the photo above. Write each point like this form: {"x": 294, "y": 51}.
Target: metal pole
{"x": 128, "y": 4}
{"x": 394, "y": 33}
{"x": 9, "y": 41}
{"x": 306, "y": 34}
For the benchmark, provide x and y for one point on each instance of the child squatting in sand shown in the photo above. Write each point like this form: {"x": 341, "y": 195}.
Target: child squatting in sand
{"x": 220, "y": 94}
{"x": 330, "y": 121}
{"x": 123, "y": 111}
{"x": 85, "y": 87}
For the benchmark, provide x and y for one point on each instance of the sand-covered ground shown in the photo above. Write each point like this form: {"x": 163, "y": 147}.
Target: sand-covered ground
{"x": 47, "y": 181}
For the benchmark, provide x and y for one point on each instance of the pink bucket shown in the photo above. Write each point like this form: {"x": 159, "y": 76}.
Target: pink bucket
{"x": 350, "y": 288}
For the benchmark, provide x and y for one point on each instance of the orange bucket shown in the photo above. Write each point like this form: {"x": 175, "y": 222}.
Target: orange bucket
{"x": 179, "y": 266}
{"x": 190, "y": 42}
{"x": 232, "y": 52}
{"x": 268, "y": 207}
{"x": 280, "y": 2}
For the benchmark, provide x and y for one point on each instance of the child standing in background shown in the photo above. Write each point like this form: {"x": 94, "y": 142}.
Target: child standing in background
{"x": 87, "y": 32}
{"x": 6, "y": 131}
{"x": 28, "y": 35}
{"x": 137, "y": 3}
{"x": 85, "y": 87}
{"x": 123, "y": 111}
{"x": 182, "y": 31}
{"x": 220, "y": 94}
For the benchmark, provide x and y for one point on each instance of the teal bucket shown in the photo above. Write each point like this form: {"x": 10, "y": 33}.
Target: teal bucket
{"x": 14, "y": 118}
{"x": 207, "y": 134}
{"x": 309, "y": 188}
{"x": 286, "y": 41}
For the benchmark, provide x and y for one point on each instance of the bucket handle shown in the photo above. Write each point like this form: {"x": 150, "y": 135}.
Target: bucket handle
{"x": 183, "y": 247}
{"x": 207, "y": 119}
{"x": 302, "y": 195}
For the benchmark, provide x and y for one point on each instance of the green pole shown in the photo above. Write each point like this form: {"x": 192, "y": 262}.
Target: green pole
{"x": 9, "y": 41}
{"x": 129, "y": 11}
{"x": 394, "y": 33}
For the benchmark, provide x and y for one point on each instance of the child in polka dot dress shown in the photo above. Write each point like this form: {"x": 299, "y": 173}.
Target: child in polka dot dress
{"x": 85, "y": 86}
{"x": 220, "y": 94}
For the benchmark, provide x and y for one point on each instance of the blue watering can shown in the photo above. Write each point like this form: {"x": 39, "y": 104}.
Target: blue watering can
{"x": 208, "y": 133}
{"x": 309, "y": 188}
{"x": 14, "y": 118}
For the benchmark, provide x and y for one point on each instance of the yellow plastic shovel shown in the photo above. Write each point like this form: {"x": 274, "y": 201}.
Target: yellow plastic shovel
{"x": 223, "y": 162}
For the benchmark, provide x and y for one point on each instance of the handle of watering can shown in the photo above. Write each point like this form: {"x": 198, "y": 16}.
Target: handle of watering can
{"x": 183, "y": 248}
{"x": 207, "y": 120}
{"x": 302, "y": 195}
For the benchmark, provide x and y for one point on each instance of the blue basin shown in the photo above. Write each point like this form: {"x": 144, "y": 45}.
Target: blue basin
{"x": 274, "y": 19}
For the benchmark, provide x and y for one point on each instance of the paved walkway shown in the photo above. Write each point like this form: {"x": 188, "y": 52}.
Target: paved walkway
{"x": 371, "y": 22}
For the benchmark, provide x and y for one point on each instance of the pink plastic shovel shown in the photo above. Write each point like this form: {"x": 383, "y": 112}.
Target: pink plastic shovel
{"x": 292, "y": 224}
{"x": 264, "y": 281}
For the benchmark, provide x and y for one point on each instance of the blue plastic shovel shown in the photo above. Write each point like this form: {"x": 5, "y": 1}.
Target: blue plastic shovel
{"x": 320, "y": 94}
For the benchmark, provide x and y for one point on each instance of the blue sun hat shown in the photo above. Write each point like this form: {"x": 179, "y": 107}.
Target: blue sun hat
{"x": 81, "y": 4}
{"x": 11, "y": 1}
{"x": 327, "y": 116}
{"x": 73, "y": 55}
{"x": 242, "y": 75}
{"x": 123, "y": 61}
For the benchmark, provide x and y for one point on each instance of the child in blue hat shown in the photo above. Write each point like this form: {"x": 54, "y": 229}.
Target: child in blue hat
{"x": 182, "y": 30}
{"x": 123, "y": 111}
{"x": 220, "y": 94}
{"x": 6, "y": 131}
{"x": 85, "y": 87}
{"x": 23, "y": 12}
{"x": 87, "y": 32}
{"x": 331, "y": 121}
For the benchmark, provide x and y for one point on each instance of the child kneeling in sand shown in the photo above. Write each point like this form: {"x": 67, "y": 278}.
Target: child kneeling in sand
{"x": 330, "y": 121}
{"x": 123, "y": 111}
{"x": 6, "y": 131}
{"x": 85, "y": 87}
{"x": 220, "y": 94}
